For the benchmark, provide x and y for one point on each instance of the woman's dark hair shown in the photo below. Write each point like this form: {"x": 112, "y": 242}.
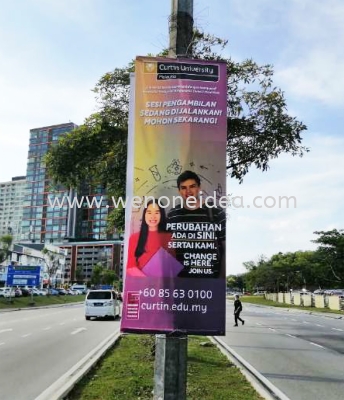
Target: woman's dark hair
{"x": 140, "y": 248}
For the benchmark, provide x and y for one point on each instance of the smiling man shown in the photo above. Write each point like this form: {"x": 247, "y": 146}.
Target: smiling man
{"x": 198, "y": 231}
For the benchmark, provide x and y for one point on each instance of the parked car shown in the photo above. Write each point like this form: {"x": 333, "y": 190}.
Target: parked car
{"x": 80, "y": 288}
{"x": 62, "y": 292}
{"x": 25, "y": 292}
{"x": 5, "y": 292}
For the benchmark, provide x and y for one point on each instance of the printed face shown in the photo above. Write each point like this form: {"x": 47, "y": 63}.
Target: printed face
{"x": 153, "y": 217}
{"x": 189, "y": 188}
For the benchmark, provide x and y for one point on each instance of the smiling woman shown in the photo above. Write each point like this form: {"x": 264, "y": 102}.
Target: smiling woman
{"x": 143, "y": 245}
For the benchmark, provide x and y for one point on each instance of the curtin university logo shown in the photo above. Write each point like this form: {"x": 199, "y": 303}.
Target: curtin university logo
{"x": 191, "y": 71}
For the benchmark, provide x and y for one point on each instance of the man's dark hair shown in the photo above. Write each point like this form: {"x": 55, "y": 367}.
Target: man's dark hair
{"x": 184, "y": 176}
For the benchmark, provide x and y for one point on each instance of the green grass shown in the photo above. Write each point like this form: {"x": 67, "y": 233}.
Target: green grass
{"x": 25, "y": 302}
{"x": 261, "y": 300}
{"x": 127, "y": 372}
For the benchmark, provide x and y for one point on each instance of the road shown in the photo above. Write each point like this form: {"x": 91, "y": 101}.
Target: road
{"x": 301, "y": 354}
{"x": 38, "y": 346}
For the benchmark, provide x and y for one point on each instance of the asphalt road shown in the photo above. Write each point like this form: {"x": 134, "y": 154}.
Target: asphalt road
{"x": 39, "y": 346}
{"x": 301, "y": 354}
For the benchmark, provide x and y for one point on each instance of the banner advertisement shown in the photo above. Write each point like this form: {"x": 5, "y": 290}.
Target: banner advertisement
{"x": 176, "y": 231}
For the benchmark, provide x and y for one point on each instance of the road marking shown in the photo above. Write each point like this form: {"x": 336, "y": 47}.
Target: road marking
{"x": 28, "y": 334}
{"x": 295, "y": 320}
{"x": 78, "y": 330}
{"x": 47, "y": 328}
{"x": 321, "y": 326}
{"x": 258, "y": 324}
{"x": 318, "y": 345}
{"x": 62, "y": 323}
{"x": 6, "y": 330}
{"x": 294, "y": 337}
{"x": 305, "y": 322}
{"x": 272, "y": 329}
{"x": 2, "y": 343}
{"x": 337, "y": 329}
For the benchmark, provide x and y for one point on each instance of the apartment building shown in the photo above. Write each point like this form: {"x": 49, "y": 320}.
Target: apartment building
{"x": 11, "y": 206}
{"x": 82, "y": 256}
{"x": 42, "y": 223}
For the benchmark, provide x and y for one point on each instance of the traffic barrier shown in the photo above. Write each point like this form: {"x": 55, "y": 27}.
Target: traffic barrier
{"x": 319, "y": 301}
{"x": 306, "y": 300}
{"x": 334, "y": 303}
{"x": 281, "y": 297}
{"x": 297, "y": 299}
{"x": 287, "y": 298}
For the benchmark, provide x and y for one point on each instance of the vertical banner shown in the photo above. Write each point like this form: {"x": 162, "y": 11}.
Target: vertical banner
{"x": 175, "y": 268}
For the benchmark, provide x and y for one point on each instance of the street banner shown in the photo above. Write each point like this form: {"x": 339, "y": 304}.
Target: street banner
{"x": 175, "y": 266}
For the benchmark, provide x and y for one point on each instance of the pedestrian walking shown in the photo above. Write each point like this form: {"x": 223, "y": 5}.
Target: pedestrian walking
{"x": 237, "y": 310}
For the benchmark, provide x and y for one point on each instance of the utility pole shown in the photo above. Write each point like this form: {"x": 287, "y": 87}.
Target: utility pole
{"x": 181, "y": 28}
{"x": 170, "y": 369}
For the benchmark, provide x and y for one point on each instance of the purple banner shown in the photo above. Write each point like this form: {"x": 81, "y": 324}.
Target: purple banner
{"x": 176, "y": 226}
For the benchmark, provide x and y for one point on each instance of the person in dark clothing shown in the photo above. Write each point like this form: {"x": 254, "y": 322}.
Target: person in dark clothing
{"x": 237, "y": 310}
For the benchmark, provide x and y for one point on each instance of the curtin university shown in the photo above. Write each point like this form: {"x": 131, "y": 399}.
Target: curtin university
{"x": 172, "y": 70}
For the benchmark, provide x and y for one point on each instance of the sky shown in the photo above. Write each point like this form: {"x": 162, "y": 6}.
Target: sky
{"x": 53, "y": 52}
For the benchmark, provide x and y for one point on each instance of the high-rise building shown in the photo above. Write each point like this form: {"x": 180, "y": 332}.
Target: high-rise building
{"x": 11, "y": 206}
{"x": 42, "y": 223}
{"x": 91, "y": 217}
{"x": 80, "y": 229}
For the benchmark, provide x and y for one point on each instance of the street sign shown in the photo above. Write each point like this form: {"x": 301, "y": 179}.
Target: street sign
{"x": 23, "y": 275}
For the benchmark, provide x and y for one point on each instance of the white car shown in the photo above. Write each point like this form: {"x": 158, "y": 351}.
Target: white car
{"x": 102, "y": 303}
{"x": 7, "y": 292}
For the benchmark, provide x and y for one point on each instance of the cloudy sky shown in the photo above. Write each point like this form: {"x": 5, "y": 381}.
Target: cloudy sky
{"x": 52, "y": 52}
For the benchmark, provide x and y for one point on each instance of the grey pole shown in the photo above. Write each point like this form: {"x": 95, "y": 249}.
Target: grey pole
{"x": 181, "y": 28}
{"x": 170, "y": 369}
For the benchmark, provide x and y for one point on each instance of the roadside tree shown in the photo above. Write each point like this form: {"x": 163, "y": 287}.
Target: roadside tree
{"x": 259, "y": 127}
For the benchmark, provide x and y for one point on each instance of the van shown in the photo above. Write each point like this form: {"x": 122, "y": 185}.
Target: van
{"x": 102, "y": 303}
{"x": 80, "y": 288}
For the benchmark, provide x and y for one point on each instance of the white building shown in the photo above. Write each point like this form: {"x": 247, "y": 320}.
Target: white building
{"x": 11, "y": 206}
{"x": 31, "y": 255}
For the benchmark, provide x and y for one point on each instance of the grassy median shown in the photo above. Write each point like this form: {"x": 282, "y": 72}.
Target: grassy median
{"x": 127, "y": 371}
{"x": 27, "y": 302}
{"x": 261, "y": 300}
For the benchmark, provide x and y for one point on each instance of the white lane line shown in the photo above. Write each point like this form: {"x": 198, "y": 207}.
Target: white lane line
{"x": 294, "y": 337}
{"x": 272, "y": 329}
{"x": 2, "y": 343}
{"x": 295, "y": 320}
{"x": 321, "y": 326}
{"x": 305, "y": 322}
{"x": 78, "y": 330}
{"x": 28, "y": 334}
{"x": 318, "y": 345}
{"x": 258, "y": 324}
{"x": 6, "y": 330}
{"x": 337, "y": 329}
{"x": 62, "y": 323}
{"x": 47, "y": 328}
